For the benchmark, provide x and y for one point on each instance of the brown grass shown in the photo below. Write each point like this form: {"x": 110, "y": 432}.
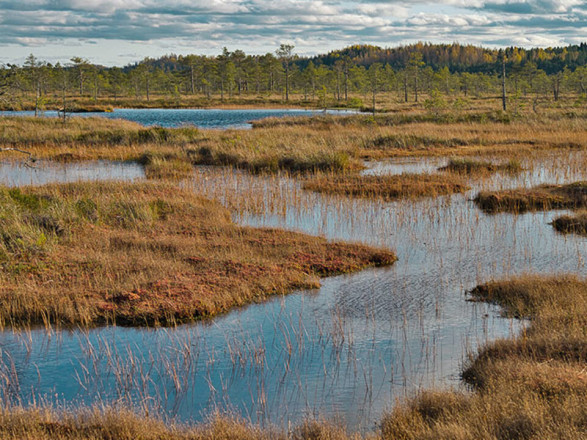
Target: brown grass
{"x": 144, "y": 254}
{"x": 531, "y": 387}
{"x": 480, "y": 167}
{"x": 302, "y": 145}
{"x": 571, "y": 223}
{"x": 388, "y": 187}
{"x": 119, "y": 424}
{"x": 544, "y": 197}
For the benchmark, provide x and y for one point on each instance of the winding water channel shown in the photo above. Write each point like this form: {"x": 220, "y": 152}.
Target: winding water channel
{"x": 347, "y": 350}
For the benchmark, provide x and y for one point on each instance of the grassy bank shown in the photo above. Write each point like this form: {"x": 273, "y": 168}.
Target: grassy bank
{"x": 116, "y": 424}
{"x": 544, "y": 197}
{"x": 480, "y": 167}
{"x": 571, "y": 223}
{"x": 531, "y": 387}
{"x": 300, "y": 145}
{"x": 144, "y": 254}
{"x": 89, "y": 104}
{"x": 387, "y": 187}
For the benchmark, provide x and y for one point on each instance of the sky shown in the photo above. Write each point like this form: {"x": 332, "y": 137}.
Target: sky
{"x": 118, "y": 32}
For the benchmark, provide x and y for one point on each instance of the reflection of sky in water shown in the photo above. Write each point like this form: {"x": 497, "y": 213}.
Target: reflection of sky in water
{"x": 349, "y": 349}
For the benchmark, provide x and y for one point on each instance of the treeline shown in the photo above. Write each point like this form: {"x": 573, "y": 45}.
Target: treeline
{"x": 345, "y": 77}
{"x": 463, "y": 58}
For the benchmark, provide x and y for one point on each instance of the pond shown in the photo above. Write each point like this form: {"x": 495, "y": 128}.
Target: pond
{"x": 203, "y": 118}
{"x": 347, "y": 350}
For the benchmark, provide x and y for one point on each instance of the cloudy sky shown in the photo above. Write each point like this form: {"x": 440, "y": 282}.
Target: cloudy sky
{"x": 116, "y": 32}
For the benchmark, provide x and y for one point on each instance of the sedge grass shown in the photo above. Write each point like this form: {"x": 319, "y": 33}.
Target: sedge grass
{"x": 299, "y": 145}
{"x": 533, "y": 386}
{"x": 571, "y": 223}
{"x": 147, "y": 254}
{"x": 530, "y": 387}
{"x": 543, "y": 197}
{"x": 480, "y": 167}
{"x": 387, "y": 187}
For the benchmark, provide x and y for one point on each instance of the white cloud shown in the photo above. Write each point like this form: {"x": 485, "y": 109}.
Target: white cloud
{"x": 152, "y": 27}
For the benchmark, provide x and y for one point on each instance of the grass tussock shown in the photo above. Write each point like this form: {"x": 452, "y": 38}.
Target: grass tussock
{"x": 531, "y": 387}
{"x": 147, "y": 254}
{"x": 571, "y": 223}
{"x": 544, "y": 197}
{"x": 114, "y": 423}
{"x": 387, "y": 187}
{"x": 480, "y": 167}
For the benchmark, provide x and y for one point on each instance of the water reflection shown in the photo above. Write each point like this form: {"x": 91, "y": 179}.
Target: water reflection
{"x": 19, "y": 174}
{"x": 348, "y": 350}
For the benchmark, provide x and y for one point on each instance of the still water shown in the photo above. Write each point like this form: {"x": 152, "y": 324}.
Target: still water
{"x": 203, "y": 118}
{"x": 347, "y": 350}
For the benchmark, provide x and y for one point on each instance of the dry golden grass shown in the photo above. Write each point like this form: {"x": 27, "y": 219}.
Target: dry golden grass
{"x": 544, "y": 197}
{"x": 571, "y": 223}
{"x": 387, "y": 187}
{"x": 116, "y": 424}
{"x": 302, "y": 145}
{"x": 479, "y": 167}
{"x": 144, "y": 254}
{"x": 531, "y": 387}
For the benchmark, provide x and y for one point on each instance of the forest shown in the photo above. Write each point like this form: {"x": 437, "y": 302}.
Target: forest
{"x": 344, "y": 78}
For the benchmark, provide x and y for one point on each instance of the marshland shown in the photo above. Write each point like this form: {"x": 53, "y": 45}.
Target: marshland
{"x": 415, "y": 272}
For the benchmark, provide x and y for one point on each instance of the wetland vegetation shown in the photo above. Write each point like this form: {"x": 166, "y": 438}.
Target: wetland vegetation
{"x": 387, "y": 187}
{"x": 297, "y": 145}
{"x": 148, "y": 254}
{"x": 472, "y": 166}
{"x": 571, "y": 223}
{"x": 530, "y": 386}
{"x": 543, "y": 197}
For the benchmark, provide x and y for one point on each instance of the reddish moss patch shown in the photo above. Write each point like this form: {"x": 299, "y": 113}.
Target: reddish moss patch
{"x": 149, "y": 254}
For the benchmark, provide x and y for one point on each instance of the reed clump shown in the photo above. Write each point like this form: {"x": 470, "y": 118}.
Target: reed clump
{"x": 147, "y": 254}
{"x": 533, "y": 386}
{"x": 387, "y": 187}
{"x": 544, "y": 197}
{"x": 571, "y": 223}
{"x": 479, "y": 167}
